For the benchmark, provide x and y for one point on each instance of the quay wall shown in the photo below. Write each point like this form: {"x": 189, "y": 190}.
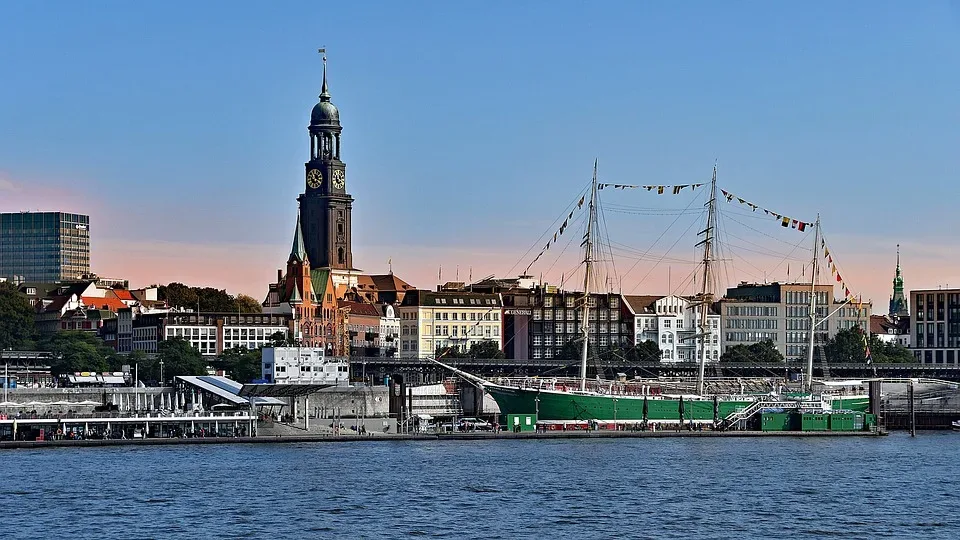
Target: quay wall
{"x": 437, "y": 437}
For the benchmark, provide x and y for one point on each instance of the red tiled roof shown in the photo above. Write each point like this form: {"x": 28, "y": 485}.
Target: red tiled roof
{"x": 357, "y": 308}
{"x": 390, "y": 282}
{"x": 112, "y": 304}
{"x": 123, "y": 294}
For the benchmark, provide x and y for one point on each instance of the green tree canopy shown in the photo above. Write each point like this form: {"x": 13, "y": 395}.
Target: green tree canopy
{"x": 485, "y": 349}
{"x": 79, "y": 351}
{"x": 242, "y": 363}
{"x": 764, "y": 352}
{"x": 248, "y": 304}
{"x": 180, "y": 358}
{"x": 209, "y": 298}
{"x": 846, "y": 347}
{"x": 16, "y": 319}
{"x": 889, "y": 353}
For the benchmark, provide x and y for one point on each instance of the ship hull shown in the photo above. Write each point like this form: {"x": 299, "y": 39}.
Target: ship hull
{"x": 557, "y": 405}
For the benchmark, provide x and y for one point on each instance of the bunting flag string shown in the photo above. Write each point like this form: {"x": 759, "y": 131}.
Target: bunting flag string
{"x": 660, "y": 189}
{"x": 558, "y": 233}
{"x": 847, "y": 294}
{"x": 784, "y": 220}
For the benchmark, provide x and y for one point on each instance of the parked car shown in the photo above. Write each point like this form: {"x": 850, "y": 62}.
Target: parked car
{"x": 474, "y": 424}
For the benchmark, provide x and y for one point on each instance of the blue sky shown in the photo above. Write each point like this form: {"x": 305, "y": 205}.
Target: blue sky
{"x": 181, "y": 127}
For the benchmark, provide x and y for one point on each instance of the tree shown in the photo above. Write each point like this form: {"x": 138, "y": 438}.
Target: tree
{"x": 846, "y": 347}
{"x": 180, "y": 358}
{"x": 889, "y": 353}
{"x": 206, "y": 298}
{"x": 764, "y": 352}
{"x": 485, "y": 349}
{"x": 449, "y": 352}
{"x": 178, "y": 295}
{"x": 243, "y": 364}
{"x": 571, "y": 350}
{"x": 77, "y": 351}
{"x": 248, "y": 304}
{"x": 648, "y": 351}
{"x": 279, "y": 339}
{"x": 16, "y": 319}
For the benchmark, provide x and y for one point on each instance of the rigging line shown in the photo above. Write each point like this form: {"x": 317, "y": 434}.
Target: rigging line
{"x": 755, "y": 243}
{"x": 682, "y": 262}
{"x": 724, "y": 274}
{"x": 649, "y": 213}
{"x": 645, "y": 276}
{"x": 559, "y": 255}
{"x": 844, "y": 283}
{"x": 763, "y": 233}
{"x": 606, "y": 233}
{"x": 550, "y": 229}
{"x": 662, "y": 234}
{"x": 790, "y": 253}
{"x": 627, "y": 249}
{"x": 768, "y": 253}
{"x": 618, "y": 206}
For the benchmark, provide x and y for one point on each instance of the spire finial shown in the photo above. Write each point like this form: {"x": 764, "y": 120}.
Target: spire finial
{"x": 898, "y": 256}
{"x": 298, "y": 252}
{"x": 324, "y": 91}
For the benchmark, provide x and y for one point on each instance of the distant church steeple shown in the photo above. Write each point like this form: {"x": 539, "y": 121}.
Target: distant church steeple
{"x": 898, "y": 302}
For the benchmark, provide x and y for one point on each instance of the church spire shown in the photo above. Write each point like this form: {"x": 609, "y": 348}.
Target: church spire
{"x": 298, "y": 252}
{"x": 324, "y": 91}
{"x": 898, "y": 301}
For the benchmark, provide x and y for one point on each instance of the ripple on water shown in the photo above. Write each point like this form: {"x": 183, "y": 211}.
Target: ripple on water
{"x": 646, "y": 488}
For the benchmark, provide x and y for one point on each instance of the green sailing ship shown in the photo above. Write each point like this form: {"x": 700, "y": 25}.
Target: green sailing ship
{"x": 634, "y": 402}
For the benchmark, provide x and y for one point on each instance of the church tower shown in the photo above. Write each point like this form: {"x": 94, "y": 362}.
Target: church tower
{"x": 325, "y": 205}
{"x": 898, "y": 303}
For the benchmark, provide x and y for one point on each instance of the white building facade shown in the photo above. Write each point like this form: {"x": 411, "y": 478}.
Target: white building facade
{"x": 672, "y": 322}
{"x": 431, "y": 320}
{"x": 302, "y": 365}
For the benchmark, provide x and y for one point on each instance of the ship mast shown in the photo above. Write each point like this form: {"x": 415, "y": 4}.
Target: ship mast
{"x": 808, "y": 378}
{"x": 706, "y": 295}
{"x": 588, "y": 262}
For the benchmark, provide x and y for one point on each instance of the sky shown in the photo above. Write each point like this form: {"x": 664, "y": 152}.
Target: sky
{"x": 469, "y": 128}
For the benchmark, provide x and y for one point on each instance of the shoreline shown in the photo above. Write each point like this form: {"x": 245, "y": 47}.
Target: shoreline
{"x": 11, "y": 445}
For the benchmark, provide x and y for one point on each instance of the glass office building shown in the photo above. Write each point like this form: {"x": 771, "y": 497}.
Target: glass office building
{"x": 44, "y": 246}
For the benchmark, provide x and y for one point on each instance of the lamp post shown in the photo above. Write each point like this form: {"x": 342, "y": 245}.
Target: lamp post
{"x": 161, "y": 372}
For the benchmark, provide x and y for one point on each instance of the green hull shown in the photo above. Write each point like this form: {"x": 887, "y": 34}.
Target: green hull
{"x": 550, "y": 405}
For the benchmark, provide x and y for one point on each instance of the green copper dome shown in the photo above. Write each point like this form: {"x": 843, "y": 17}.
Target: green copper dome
{"x": 325, "y": 113}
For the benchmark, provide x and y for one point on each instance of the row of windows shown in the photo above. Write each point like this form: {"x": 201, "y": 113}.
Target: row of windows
{"x": 751, "y": 337}
{"x": 465, "y": 331}
{"x": 752, "y": 311}
{"x": 803, "y": 297}
{"x": 756, "y": 324}
{"x": 489, "y": 316}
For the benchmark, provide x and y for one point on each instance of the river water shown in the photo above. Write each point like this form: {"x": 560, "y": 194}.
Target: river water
{"x": 890, "y": 487}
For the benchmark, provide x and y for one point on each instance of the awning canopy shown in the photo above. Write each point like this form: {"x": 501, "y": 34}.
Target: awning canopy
{"x": 281, "y": 390}
{"x": 227, "y": 389}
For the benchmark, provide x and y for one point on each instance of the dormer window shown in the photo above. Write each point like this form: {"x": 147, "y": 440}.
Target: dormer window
{"x": 31, "y": 290}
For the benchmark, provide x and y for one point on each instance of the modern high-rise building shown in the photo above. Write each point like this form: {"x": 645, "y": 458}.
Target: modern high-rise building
{"x": 44, "y": 246}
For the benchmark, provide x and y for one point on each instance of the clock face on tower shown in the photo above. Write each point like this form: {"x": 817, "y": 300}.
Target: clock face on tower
{"x": 314, "y": 178}
{"x": 338, "y": 181}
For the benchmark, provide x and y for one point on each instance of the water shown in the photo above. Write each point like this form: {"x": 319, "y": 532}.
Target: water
{"x": 893, "y": 487}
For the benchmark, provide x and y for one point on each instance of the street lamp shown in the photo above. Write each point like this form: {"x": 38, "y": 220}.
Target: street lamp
{"x": 161, "y": 372}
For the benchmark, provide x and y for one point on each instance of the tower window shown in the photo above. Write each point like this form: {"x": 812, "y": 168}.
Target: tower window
{"x": 340, "y": 215}
{"x": 340, "y": 255}
{"x": 340, "y": 228}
